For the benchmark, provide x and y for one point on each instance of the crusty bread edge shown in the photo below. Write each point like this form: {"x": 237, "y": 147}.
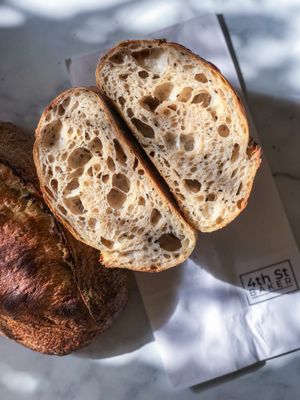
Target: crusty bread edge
{"x": 238, "y": 103}
{"x": 122, "y": 138}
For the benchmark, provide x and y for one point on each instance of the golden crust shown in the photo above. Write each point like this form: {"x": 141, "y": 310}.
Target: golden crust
{"x": 54, "y": 295}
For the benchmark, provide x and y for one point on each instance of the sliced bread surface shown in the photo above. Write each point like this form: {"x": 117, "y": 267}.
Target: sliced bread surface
{"x": 190, "y": 122}
{"x": 99, "y": 187}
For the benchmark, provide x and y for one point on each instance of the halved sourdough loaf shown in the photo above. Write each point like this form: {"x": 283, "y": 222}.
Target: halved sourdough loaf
{"x": 99, "y": 187}
{"x": 190, "y": 122}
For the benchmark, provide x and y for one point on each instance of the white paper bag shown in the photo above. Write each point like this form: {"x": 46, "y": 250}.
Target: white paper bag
{"x": 233, "y": 302}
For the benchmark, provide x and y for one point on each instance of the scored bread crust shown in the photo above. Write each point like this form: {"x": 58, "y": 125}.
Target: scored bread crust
{"x": 253, "y": 149}
{"x": 123, "y": 140}
{"x": 54, "y": 295}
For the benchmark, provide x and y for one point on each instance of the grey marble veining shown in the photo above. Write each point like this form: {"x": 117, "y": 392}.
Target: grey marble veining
{"x": 124, "y": 363}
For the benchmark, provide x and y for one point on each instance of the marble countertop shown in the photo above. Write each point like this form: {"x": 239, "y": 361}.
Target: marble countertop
{"x": 35, "y": 38}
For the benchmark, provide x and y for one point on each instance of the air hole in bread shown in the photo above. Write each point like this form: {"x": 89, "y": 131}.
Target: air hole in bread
{"x": 153, "y": 268}
{"x": 123, "y": 77}
{"x": 219, "y": 220}
{"x": 143, "y": 128}
{"x": 203, "y": 99}
{"x": 141, "y": 201}
{"x": 162, "y": 92}
{"x": 135, "y": 164}
{"x": 121, "y": 182}
{"x": 117, "y": 58}
{"x": 223, "y": 130}
{"x": 116, "y": 198}
{"x": 170, "y": 139}
{"x": 105, "y": 178}
{"x": 58, "y": 169}
{"x": 152, "y": 154}
{"x": 201, "y": 78}
{"x": 70, "y": 131}
{"x": 72, "y": 185}
{"x": 172, "y": 107}
{"x": 96, "y": 146}
{"x": 66, "y": 102}
{"x": 52, "y": 134}
{"x": 239, "y": 188}
{"x": 169, "y": 242}
{"x": 92, "y": 222}
{"x": 154, "y": 60}
{"x": 50, "y": 158}
{"x": 235, "y": 152}
{"x": 240, "y": 203}
{"x": 110, "y": 164}
{"x": 79, "y": 157}
{"x": 64, "y": 156}
{"x": 200, "y": 198}
{"x": 143, "y": 74}
{"x": 213, "y": 114}
{"x": 166, "y": 162}
{"x": 185, "y": 94}
{"x": 121, "y": 101}
{"x": 74, "y": 204}
{"x": 90, "y": 171}
{"x": 155, "y": 216}
{"x": 165, "y": 111}
{"x": 129, "y": 112}
{"x": 120, "y": 155}
{"x": 192, "y": 185}
{"x": 234, "y": 172}
{"x": 211, "y": 197}
{"x": 187, "y": 141}
{"x": 141, "y": 172}
{"x": 60, "y": 110}
{"x": 149, "y": 103}
{"x": 107, "y": 243}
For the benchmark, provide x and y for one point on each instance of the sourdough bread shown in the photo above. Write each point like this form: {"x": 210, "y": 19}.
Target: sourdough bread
{"x": 97, "y": 184}
{"x": 190, "y": 122}
{"x": 54, "y": 294}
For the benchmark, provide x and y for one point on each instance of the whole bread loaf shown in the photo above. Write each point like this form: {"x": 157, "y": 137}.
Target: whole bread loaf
{"x": 100, "y": 187}
{"x": 54, "y": 294}
{"x": 189, "y": 121}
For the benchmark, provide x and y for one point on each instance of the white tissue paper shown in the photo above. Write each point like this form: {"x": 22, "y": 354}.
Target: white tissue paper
{"x": 233, "y": 302}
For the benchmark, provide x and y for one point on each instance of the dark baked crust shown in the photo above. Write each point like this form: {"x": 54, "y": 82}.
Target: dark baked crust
{"x": 54, "y": 295}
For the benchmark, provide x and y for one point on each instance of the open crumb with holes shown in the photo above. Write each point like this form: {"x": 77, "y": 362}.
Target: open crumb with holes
{"x": 189, "y": 121}
{"x": 100, "y": 188}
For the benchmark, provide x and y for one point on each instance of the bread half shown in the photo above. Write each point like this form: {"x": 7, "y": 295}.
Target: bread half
{"x": 99, "y": 187}
{"x": 190, "y": 122}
